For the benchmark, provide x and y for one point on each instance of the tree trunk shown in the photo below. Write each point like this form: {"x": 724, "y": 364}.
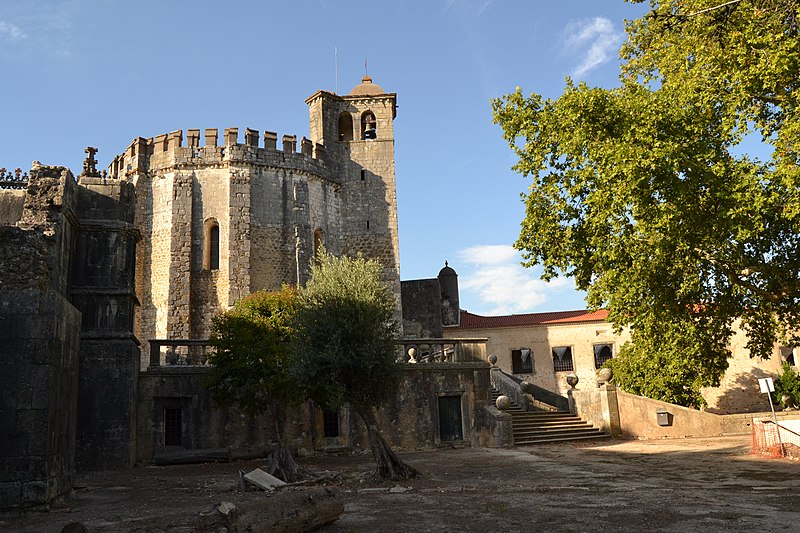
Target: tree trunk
{"x": 281, "y": 461}
{"x": 389, "y": 465}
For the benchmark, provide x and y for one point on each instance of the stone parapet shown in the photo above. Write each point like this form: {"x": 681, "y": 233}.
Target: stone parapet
{"x": 166, "y": 151}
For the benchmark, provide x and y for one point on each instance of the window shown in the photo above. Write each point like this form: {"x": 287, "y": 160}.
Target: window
{"x": 522, "y": 361}
{"x": 211, "y": 248}
{"x": 562, "y": 359}
{"x": 787, "y": 352}
{"x": 330, "y": 423}
{"x": 172, "y": 427}
{"x": 368, "y": 126}
{"x": 345, "y": 127}
{"x": 319, "y": 241}
{"x": 602, "y": 353}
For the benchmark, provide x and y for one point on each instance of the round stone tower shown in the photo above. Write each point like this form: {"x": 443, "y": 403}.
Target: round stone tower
{"x": 448, "y": 282}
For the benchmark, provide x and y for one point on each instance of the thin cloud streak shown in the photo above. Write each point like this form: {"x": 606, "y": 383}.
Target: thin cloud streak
{"x": 495, "y": 276}
{"x": 595, "y": 39}
{"x": 11, "y": 32}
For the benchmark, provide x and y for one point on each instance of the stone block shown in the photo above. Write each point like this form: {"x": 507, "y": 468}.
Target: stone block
{"x": 211, "y": 136}
{"x": 34, "y": 492}
{"x": 10, "y": 494}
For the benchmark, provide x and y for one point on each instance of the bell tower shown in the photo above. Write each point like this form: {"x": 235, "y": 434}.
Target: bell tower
{"x": 357, "y": 131}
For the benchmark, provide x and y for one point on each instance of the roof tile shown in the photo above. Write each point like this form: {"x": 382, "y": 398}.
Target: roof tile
{"x": 472, "y": 321}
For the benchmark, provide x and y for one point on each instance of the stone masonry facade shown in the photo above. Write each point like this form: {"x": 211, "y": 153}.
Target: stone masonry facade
{"x": 178, "y": 228}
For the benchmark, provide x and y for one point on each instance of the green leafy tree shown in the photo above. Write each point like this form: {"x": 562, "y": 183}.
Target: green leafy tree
{"x": 346, "y": 346}
{"x": 644, "y": 194}
{"x": 252, "y": 365}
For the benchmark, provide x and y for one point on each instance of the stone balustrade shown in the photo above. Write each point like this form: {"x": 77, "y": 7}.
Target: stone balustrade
{"x": 179, "y": 352}
{"x": 443, "y": 350}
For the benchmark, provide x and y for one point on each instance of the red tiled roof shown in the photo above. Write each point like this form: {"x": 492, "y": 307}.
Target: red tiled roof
{"x": 472, "y": 321}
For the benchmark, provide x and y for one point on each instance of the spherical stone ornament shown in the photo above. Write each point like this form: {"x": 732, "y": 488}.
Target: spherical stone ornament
{"x": 572, "y": 380}
{"x": 787, "y": 401}
{"x": 503, "y": 403}
{"x": 604, "y": 375}
{"x": 412, "y": 352}
{"x": 492, "y": 359}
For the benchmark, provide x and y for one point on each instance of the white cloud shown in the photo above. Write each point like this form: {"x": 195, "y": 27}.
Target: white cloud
{"x": 11, "y": 32}
{"x": 469, "y": 8}
{"x": 595, "y": 40}
{"x": 502, "y": 286}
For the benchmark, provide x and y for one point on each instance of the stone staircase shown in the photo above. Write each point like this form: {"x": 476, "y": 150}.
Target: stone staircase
{"x": 537, "y": 427}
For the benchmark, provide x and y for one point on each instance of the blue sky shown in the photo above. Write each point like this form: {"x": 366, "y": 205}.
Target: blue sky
{"x": 92, "y": 72}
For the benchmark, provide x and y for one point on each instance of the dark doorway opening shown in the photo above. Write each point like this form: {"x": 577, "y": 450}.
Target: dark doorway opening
{"x": 173, "y": 431}
{"x": 330, "y": 423}
{"x": 450, "y": 419}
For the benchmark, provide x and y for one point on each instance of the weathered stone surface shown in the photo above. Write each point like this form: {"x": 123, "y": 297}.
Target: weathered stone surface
{"x": 263, "y": 480}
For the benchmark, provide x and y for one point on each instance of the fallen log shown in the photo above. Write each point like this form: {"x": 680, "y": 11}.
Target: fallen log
{"x": 210, "y": 455}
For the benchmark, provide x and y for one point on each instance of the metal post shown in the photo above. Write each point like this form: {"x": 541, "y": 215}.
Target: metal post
{"x": 775, "y": 421}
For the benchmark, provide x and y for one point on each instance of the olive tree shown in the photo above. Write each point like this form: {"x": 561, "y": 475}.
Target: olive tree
{"x": 252, "y": 365}
{"x": 346, "y": 346}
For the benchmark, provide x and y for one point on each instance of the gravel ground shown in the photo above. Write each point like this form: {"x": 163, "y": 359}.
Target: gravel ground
{"x": 676, "y": 485}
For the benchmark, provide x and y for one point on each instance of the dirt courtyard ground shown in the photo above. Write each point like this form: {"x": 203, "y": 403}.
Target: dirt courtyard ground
{"x": 709, "y": 485}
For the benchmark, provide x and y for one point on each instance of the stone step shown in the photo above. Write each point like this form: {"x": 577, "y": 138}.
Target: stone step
{"x": 561, "y": 425}
{"x": 554, "y": 440}
{"x": 536, "y": 427}
{"x": 542, "y": 419}
{"x": 556, "y": 432}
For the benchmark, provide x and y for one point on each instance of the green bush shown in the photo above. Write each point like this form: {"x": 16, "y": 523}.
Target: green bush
{"x": 788, "y": 382}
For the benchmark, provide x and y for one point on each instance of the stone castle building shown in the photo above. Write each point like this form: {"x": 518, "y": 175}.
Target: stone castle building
{"x": 180, "y": 226}
{"x": 220, "y": 218}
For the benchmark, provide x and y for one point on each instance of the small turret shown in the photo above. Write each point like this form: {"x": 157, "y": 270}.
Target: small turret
{"x": 448, "y": 281}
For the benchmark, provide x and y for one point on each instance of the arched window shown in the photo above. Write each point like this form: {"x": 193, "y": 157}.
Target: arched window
{"x": 345, "y": 127}
{"x": 319, "y": 241}
{"x": 211, "y": 245}
{"x": 369, "y": 126}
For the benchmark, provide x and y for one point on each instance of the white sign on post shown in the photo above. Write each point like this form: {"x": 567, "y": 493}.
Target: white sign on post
{"x": 766, "y": 385}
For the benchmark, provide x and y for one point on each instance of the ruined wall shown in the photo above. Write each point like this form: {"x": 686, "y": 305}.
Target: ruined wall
{"x": 411, "y": 418}
{"x": 39, "y": 338}
{"x": 422, "y": 308}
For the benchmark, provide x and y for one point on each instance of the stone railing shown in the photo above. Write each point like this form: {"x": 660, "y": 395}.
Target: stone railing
{"x": 195, "y": 352}
{"x": 526, "y": 394}
{"x": 13, "y": 180}
{"x": 443, "y": 350}
{"x": 179, "y": 352}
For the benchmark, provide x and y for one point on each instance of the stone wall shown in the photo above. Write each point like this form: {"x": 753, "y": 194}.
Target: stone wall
{"x": 39, "y": 339}
{"x": 422, "y": 308}
{"x": 11, "y": 204}
{"x": 738, "y": 391}
{"x": 410, "y": 420}
{"x": 541, "y": 339}
{"x": 636, "y": 417}
{"x": 102, "y": 287}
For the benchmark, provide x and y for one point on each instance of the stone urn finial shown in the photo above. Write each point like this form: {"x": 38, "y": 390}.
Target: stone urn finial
{"x": 572, "y": 380}
{"x": 604, "y": 375}
{"x": 503, "y": 403}
{"x": 492, "y": 359}
{"x": 412, "y": 352}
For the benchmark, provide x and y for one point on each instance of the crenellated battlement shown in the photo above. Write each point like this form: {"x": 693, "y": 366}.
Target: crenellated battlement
{"x": 169, "y": 149}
